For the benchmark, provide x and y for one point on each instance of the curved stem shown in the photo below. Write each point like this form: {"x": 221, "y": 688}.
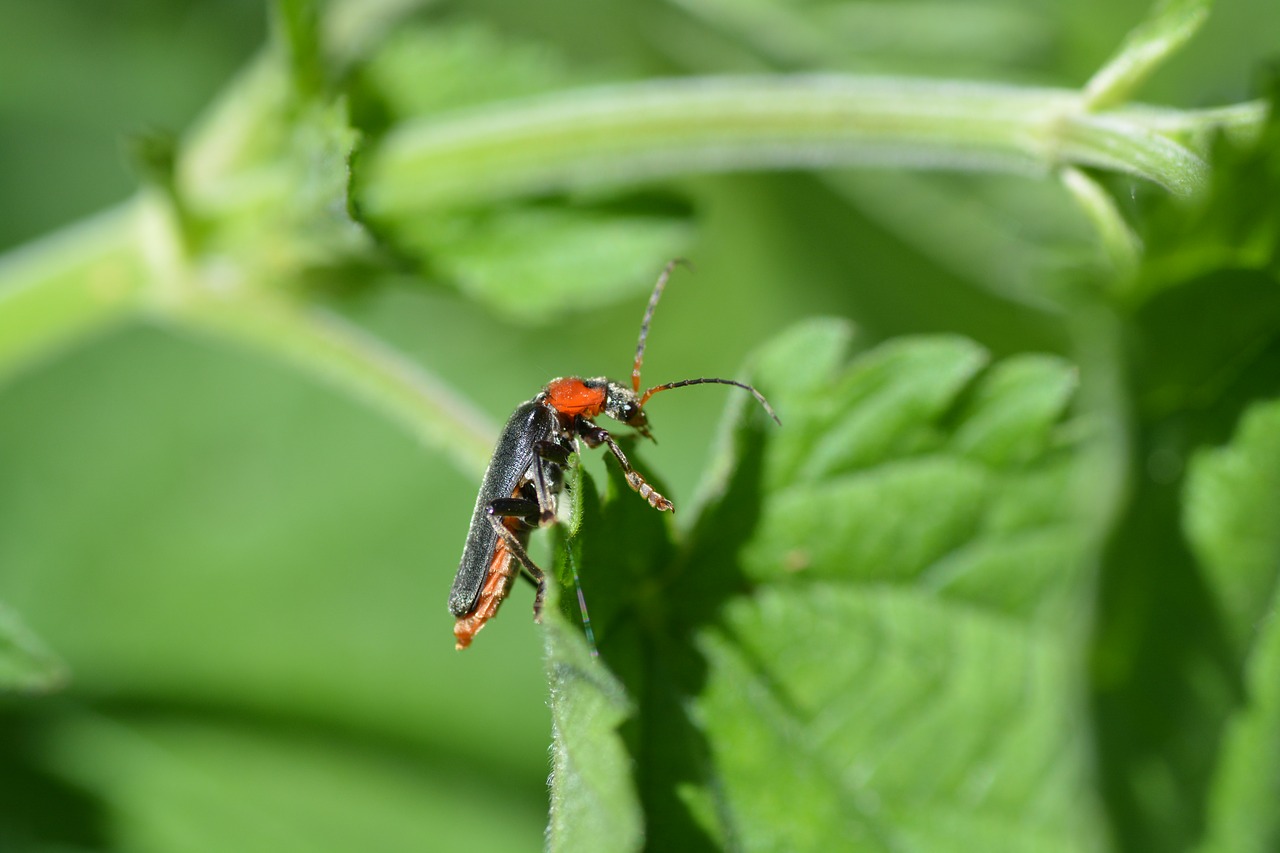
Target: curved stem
{"x": 625, "y": 133}
{"x": 128, "y": 263}
{"x": 1121, "y": 245}
{"x": 328, "y": 347}
{"x": 59, "y": 290}
{"x": 131, "y": 261}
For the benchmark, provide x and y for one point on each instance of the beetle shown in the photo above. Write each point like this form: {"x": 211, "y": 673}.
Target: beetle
{"x": 521, "y": 486}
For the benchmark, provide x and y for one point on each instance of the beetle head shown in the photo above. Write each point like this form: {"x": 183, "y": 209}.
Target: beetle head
{"x": 623, "y": 404}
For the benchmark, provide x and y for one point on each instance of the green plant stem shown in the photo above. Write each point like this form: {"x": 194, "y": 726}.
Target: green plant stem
{"x": 132, "y": 261}
{"x": 1122, "y": 246}
{"x": 328, "y": 347}
{"x": 643, "y": 131}
{"x": 128, "y": 263}
{"x": 69, "y": 286}
{"x": 1169, "y": 25}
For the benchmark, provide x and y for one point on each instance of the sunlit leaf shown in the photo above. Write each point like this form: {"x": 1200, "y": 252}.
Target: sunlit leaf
{"x": 871, "y": 638}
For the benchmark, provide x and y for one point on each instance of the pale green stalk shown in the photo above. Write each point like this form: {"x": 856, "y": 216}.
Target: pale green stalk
{"x": 598, "y": 138}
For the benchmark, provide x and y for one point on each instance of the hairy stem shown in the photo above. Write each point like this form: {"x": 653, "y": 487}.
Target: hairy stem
{"x": 332, "y": 349}
{"x": 129, "y": 263}
{"x": 133, "y": 261}
{"x": 617, "y": 134}
{"x": 59, "y": 290}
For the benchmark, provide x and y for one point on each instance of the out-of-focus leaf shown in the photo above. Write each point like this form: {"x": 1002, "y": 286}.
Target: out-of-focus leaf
{"x": 531, "y": 264}
{"x": 1178, "y": 364}
{"x": 528, "y": 262}
{"x": 1233, "y": 225}
{"x": 921, "y": 36}
{"x": 1203, "y": 346}
{"x": 1231, "y": 513}
{"x": 1232, "y": 503}
{"x": 297, "y": 36}
{"x": 1246, "y": 785}
{"x": 266, "y": 175}
{"x": 175, "y": 785}
{"x": 289, "y": 555}
{"x": 420, "y": 70}
{"x": 317, "y": 214}
{"x": 26, "y": 664}
{"x": 354, "y": 28}
{"x": 871, "y": 638}
{"x": 1002, "y": 235}
{"x": 1010, "y": 417}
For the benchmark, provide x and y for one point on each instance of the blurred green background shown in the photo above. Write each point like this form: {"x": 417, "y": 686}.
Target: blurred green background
{"x": 246, "y": 572}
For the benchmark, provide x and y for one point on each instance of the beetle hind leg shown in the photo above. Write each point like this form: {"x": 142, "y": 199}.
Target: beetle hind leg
{"x": 536, "y": 575}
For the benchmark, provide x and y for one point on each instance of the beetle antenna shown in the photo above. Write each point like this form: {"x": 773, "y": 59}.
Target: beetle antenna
{"x": 648, "y": 315}
{"x": 582, "y": 605}
{"x": 712, "y": 381}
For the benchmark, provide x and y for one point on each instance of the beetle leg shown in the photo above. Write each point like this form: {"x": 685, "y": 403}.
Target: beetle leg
{"x": 522, "y": 508}
{"x": 517, "y": 550}
{"x": 546, "y": 452}
{"x": 594, "y": 436}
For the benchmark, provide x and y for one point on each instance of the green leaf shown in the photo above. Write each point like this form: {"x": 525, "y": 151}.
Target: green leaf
{"x": 534, "y": 263}
{"x": 1233, "y": 225}
{"x": 288, "y": 557}
{"x": 1246, "y": 785}
{"x": 1003, "y": 235}
{"x": 593, "y": 799}
{"x": 266, "y": 177}
{"x": 1232, "y": 503}
{"x": 1179, "y": 367}
{"x": 529, "y": 262}
{"x": 26, "y": 664}
{"x": 870, "y": 637}
{"x": 1011, "y": 416}
{"x": 882, "y": 37}
{"x": 354, "y": 29}
{"x": 297, "y": 36}
{"x": 888, "y": 403}
{"x": 421, "y": 70}
{"x": 1168, "y": 26}
{"x": 317, "y": 214}
{"x": 187, "y": 785}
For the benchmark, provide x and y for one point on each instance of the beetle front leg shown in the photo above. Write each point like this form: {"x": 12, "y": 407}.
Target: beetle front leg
{"x": 546, "y": 451}
{"x": 594, "y": 436}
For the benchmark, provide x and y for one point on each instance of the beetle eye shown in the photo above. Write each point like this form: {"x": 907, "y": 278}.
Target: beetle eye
{"x": 628, "y": 411}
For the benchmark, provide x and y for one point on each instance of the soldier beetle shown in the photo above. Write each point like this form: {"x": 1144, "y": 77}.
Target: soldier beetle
{"x": 520, "y": 489}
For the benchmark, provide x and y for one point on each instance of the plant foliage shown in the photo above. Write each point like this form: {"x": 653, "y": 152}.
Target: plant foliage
{"x": 1005, "y": 578}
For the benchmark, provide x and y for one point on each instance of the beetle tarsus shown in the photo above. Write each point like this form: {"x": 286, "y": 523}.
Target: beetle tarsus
{"x": 635, "y": 480}
{"x": 648, "y": 492}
